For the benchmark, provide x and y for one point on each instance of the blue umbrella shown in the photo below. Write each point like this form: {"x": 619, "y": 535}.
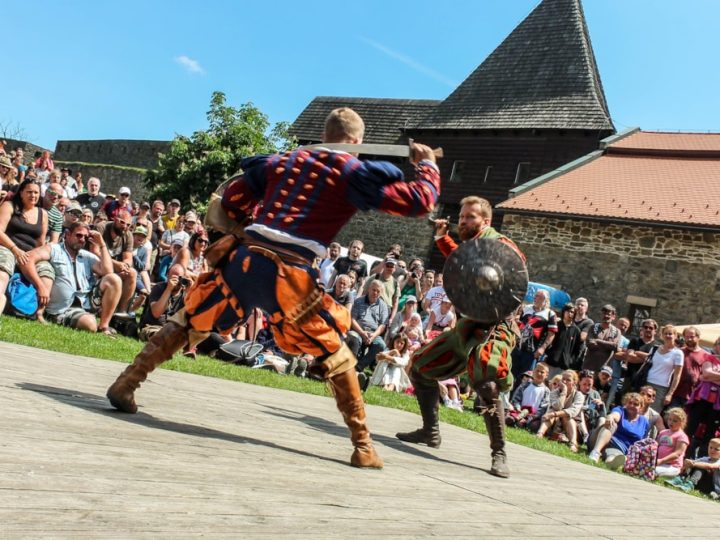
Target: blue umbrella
{"x": 558, "y": 297}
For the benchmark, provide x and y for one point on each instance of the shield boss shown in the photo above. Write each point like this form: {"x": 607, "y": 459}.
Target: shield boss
{"x": 485, "y": 279}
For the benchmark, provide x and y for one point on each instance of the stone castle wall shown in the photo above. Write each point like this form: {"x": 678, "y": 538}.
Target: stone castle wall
{"x": 607, "y": 262}
{"x": 131, "y": 153}
{"x": 112, "y": 178}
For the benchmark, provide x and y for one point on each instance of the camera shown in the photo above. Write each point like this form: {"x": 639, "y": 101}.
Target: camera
{"x": 184, "y": 282}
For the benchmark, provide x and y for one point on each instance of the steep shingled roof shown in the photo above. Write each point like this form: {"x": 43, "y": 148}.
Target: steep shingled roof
{"x": 543, "y": 75}
{"x": 662, "y": 178}
{"x": 384, "y": 118}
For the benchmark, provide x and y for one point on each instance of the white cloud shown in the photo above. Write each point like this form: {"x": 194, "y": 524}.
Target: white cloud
{"x": 412, "y": 64}
{"x": 192, "y": 66}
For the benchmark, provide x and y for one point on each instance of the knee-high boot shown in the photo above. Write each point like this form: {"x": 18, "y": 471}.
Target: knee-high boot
{"x": 429, "y": 401}
{"x": 493, "y": 411}
{"x": 349, "y": 401}
{"x": 166, "y": 342}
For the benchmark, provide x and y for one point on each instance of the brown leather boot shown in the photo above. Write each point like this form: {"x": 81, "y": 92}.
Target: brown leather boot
{"x": 493, "y": 411}
{"x": 157, "y": 350}
{"x": 429, "y": 401}
{"x": 349, "y": 400}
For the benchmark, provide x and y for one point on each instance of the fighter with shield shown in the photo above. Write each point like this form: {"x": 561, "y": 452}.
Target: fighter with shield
{"x": 486, "y": 279}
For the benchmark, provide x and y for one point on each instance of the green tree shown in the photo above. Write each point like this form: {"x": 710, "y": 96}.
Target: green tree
{"x": 194, "y": 166}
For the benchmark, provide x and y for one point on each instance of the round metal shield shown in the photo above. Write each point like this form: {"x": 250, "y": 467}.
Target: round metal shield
{"x": 485, "y": 279}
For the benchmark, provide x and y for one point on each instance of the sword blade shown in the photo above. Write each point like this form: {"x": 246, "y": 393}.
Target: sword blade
{"x": 397, "y": 150}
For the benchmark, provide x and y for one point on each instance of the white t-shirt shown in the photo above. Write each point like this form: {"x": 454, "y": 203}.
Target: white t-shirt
{"x": 662, "y": 366}
{"x": 435, "y": 295}
{"x": 326, "y": 270}
{"x": 533, "y": 395}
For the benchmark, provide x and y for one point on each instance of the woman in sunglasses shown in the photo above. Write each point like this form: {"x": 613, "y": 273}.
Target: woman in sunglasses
{"x": 192, "y": 257}
{"x": 23, "y": 226}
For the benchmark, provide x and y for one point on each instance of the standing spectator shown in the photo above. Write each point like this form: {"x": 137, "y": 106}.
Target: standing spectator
{"x": 158, "y": 227}
{"x": 695, "y": 358}
{"x": 84, "y": 280}
{"x": 603, "y": 340}
{"x": 327, "y": 264}
{"x": 562, "y": 353}
{"x": 123, "y": 202}
{"x": 190, "y": 223}
{"x": 637, "y": 352}
{"x": 352, "y": 262}
{"x": 620, "y": 356}
{"x": 584, "y": 323}
{"x": 369, "y": 321}
{"x": 119, "y": 241}
{"x": 79, "y": 182}
{"x": 411, "y": 284}
{"x": 667, "y": 365}
{"x": 172, "y": 215}
{"x": 342, "y": 292}
{"x": 50, "y": 201}
{"x": 93, "y": 199}
{"x": 391, "y": 290}
{"x": 704, "y": 407}
{"x": 538, "y": 325}
{"x": 22, "y": 228}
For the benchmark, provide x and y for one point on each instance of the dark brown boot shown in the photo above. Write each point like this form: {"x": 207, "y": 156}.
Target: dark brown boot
{"x": 349, "y": 401}
{"x": 429, "y": 401}
{"x": 157, "y": 350}
{"x": 493, "y": 411}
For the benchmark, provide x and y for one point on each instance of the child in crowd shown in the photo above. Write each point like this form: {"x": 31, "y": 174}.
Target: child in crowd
{"x": 529, "y": 398}
{"x": 703, "y": 473}
{"x": 450, "y": 393}
{"x": 672, "y": 444}
{"x": 390, "y": 369}
{"x": 414, "y": 332}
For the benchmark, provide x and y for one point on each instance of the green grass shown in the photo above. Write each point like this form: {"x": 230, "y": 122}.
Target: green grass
{"x": 122, "y": 349}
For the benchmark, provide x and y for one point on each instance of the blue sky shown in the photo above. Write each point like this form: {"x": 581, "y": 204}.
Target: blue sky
{"x": 81, "y": 69}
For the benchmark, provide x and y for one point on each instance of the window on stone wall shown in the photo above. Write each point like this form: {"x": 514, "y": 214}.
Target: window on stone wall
{"x": 457, "y": 170}
{"x": 639, "y": 309}
{"x": 488, "y": 170}
{"x": 522, "y": 174}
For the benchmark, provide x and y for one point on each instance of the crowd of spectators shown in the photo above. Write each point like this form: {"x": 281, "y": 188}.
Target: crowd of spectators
{"x": 96, "y": 259}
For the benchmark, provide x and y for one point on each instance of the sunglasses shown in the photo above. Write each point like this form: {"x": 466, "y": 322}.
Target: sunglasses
{"x": 81, "y": 236}
{"x": 124, "y": 194}
{"x": 52, "y": 193}
{"x": 201, "y": 241}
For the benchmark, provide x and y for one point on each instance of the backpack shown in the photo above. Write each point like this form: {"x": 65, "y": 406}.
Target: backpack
{"x": 22, "y": 297}
{"x": 641, "y": 458}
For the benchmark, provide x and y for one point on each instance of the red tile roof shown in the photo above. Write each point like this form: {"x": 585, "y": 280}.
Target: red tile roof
{"x": 635, "y": 186}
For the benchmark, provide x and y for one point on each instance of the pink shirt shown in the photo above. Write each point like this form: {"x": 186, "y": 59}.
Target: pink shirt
{"x": 667, "y": 440}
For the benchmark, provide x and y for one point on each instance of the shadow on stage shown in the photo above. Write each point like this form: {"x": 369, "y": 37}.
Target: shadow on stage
{"x": 99, "y": 405}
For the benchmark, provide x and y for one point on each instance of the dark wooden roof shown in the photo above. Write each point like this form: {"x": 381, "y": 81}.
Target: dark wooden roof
{"x": 384, "y": 118}
{"x": 543, "y": 75}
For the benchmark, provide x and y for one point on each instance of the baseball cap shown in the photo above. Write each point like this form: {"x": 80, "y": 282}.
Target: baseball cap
{"x": 178, "y": 242}
{"x": 528, "y": 373}
{"x": 145, "y": 204}
{"x": 391, "y": 260}
{"x": 606, "y": 369}
{"x": 124, "y": 190}
{"x": 140, "y": 230}
{"x": 73, "y": 207}
{"x": 190, "y": 216}
{"x": 175, "y": 202}
{"x": 411, "y": 298}
{"x": 609, "y": 308}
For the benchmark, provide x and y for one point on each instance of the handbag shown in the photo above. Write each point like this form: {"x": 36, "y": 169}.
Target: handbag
{"x": 22, "y": 297}
{"x": 640, "y": 378}
{"x": 240, "y": 352}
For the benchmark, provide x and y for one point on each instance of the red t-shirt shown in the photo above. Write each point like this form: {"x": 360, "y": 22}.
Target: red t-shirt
{"x": 692, "y": 369}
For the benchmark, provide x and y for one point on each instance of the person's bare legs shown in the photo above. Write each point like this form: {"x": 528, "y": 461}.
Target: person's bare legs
{"x": 110, "y": 289}
{"x": 4, "y": 280}
{"x": 570, "y": 428}
{"x": 40, "y": 313}
{"x": 128, "y": 288}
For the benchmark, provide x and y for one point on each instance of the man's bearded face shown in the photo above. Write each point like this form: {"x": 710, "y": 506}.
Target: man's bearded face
{"x": 472, "y": 222}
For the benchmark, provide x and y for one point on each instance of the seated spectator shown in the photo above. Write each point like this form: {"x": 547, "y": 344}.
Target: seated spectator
{"x": 623, "y": 427}
{"x": 702, "y": 474}
{"x": 190, "y": 223}
{"x": 50, "y": 201}
{"x": 122, "y": 203}
{"x": 176, "y": 235}
{"x": 93, "y": 199}
{"x": 164, "y": 300}
{"x": 391, "y": 290}
{"x": 672, "y": 444}
{"x": 44, "y": 165}
{"x": 172, "y": 215}
{"x": 84, "y": 283}
{"x": 529, "y": 398}
{"x": 23, "y": 227}
{"x": 87, "y": 217}
{"x": 119, "y": 241}
{"x": 450, "y": 394}
{"x": 72, "y": 214}
{"x": 593, "y": 406}
{"x": 565, "y": 406}
{"x": 8, "y": 178}
{"x": 68, "y": 183}
{"x": 442, "y": 319}
{"x": 390, "y": 369}
{"x": 414, "y": 332}
{"x": 655, "y": 419}
{"x": 400, "y": 322}
{"x": 603, "y": 383}
{"x": 192, "y": 256}
{"x": 342, "y": 291}
{"x": 369, "y": 320}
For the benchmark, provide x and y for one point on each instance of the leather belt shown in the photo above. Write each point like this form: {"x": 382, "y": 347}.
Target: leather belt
{"x": 272, "y": 251}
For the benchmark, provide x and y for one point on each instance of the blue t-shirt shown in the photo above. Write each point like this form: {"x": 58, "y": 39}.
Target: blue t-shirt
{"x": 628, "y": 432}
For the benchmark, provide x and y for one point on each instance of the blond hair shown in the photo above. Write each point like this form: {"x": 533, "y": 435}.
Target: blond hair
{"x": 677, "y": 412}
{"x": 342, "y": 124}
{"x": 485, "y": 206}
